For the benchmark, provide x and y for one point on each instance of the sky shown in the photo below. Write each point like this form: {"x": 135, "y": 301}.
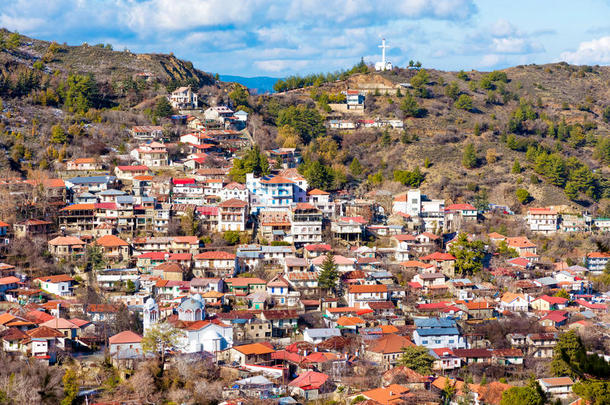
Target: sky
{"x": 282, "y": 37}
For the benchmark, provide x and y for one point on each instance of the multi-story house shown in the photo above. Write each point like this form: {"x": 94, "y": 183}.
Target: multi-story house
{"x": 91, "y": 184}
{"x": 215, "y": 264}
{"x": 541, "y": 345}
{"x": 359, "y": 296}
{"x": 436, "y": 333}
{"x": 234, "y": 190}
{"x": 543, "y": 220}
{"x": 306, "y": 224}
{"x": 183, "y": 98}
{"x": 66, "y": 246}
{"x": 416, "y": 204}
{"x": 348, "y": 228}
{"x": 146, "y": 132}
{"x": 153, "y": 154}
{"x": 458, "y": 214}
{"x": 275, "y": 191}
{"x": 83, "y": 164}
{"x": 596, "y": 262}
{"x": 129, "y": 172}
{"x": 232, "y": 215}
{"x": 77, "y": 218}
{"x": 322, "y": 200}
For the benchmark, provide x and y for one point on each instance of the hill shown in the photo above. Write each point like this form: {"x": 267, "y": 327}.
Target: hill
{"x": 557, "y": 113}
{"x": 102, "y": 61}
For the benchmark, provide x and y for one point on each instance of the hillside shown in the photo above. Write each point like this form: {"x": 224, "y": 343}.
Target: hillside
{"x": 552, "y": 119}
{"x": 565, "y": 104}
{"x": 103, "y": 62}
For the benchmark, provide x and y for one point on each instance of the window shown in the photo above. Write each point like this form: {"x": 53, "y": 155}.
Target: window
{"x": 424, "y": 342}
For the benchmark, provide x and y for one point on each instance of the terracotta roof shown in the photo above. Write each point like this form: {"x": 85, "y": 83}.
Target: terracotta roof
{"x": 598, "y": 255}
{"x": 193, "y": 240}
{"x": 244, "y": 281}
{"x": 60, "y": 278}
{"x": 66, "y": 240}
{"x": 78, "y": 207}
{"x": 12, "y": 334}
{"x": 309, "y": 380}
{"x": 59, "y": 323}
{"x": 520, "y": 242}
{"x": 137, "y": 168}
{"x": 316, "y": 191}
{"x": 557, "y": 381}
{"x": 460, "y": 207}
{"x": 125, "y": 337}
{"x": 438, "y": 256}
{"x": 110, "y": 241}
{"x": 44, "y": 332}
{"x": 539, "y": 211}
{"x": 368, "y": 288}
{"x": 349, "y": 321}
{"x": 254, "y": 348}
{"x": 389, "y": 343}
{"x": 233, "y": 203}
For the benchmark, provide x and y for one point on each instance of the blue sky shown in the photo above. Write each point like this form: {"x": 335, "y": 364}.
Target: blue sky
{"x": 283, "y": 37}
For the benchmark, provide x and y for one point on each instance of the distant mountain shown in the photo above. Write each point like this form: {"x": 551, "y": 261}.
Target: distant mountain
{"x": 262, "y": 84}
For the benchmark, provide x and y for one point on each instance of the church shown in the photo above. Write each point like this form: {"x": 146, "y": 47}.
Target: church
{"x": 200, "y": 334}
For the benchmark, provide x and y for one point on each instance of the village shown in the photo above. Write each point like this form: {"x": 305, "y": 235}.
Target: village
{"x": 296, "y": 293}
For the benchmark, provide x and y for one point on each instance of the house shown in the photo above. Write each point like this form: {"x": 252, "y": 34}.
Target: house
{"x": 66, "y": 247}
{"x": 436, "y": 333}
{"x": 232, "y": 215}
{"x": 114, "y": 249}
{"x": 392, "y": 394}
{"x": 31, "y": 228}
{"x": 596, "y": 262}
{"x": 84, "y": 164}
{"x": 152, "y": 154}
{"x": 558, "y": 387}
{"x": 505, "y": 357}
{"x": 67, "y": 328}
{"x": 126, "y": 341}
{"x": 61, "y": 284}
{"x": 387, "y": 350}
{"x": 146, "y": 132}
{"x": 278, "y": 291}
{"x": 554, "y": 319}
{"x": 243, "y": 286}
{"x": 318, "y": 335}
{"x": 311, "y": 385}
{"x": 283, "y": 321}
{"x": 543, "y": 220}
{"x": 218, "y": 113}
{"x": 443, "y": 261}
{"x": 348, "y": 228}
{"x": 514, "y": 302}
{"x": 214, "y": 264}
{"x": 547, "y": 303}
{"x": 445, "y": 360}
{"x": 253, "y": 353}
{"x": 458, "y": 214}
{"x": 522, "y": 245}
{"x": 359, "y": 296}
{"x": 474, "y": 356}
{"x": 129, "y": 172}
{"x": 306, "y": 224}
{"x": 183, "y": 98}
{"x": 42, "y": 343}
{"x": 541, "y": 345}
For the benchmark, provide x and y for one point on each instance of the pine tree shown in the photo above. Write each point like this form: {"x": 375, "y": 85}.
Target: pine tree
{"x": 328, "y": 274}
{"x": 469, "y": 158}
{"x": 516, "y": 167}
{"x": 355, "y": 167}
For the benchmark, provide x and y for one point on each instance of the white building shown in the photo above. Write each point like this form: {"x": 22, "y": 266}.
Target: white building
{"x": 437, "y": 333}
{"x": 275, "y": 191}
{"x": 183, "y": 98}
{"x": 384, "y": 64}
{"x": 416, "y": 204}
{"x": 543, "y": 220}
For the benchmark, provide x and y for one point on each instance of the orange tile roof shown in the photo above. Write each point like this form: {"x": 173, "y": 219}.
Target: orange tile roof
{"x": 125, "y": 337}
{"x": 316, "y": 191}
{"x": 110, "y": 241}
{"x": 349, "y": 321}
{"x": 389, "y": 343}
{"x": 215, "y": 255}
{"x": 75, "y": 207}
{"x": 254, "y": 348}
{"x": 367, "y": 288}
{"x": 59, "y": 278}
{"x": 66, "y": 240}
{"x": 392, "y": 394}
{"x": 520, "y": 242}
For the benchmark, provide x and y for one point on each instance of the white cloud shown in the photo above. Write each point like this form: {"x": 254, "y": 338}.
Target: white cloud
{"x": 20, "y": 23}
{"x": 275, "y": 66}
{"x": 590, "y": 52}
{"x": 503, "y": 28}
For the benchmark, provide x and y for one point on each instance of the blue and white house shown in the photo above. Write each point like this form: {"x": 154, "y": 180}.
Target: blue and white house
{"x": 436, "y": 333}
{"x": 275, "y": 191}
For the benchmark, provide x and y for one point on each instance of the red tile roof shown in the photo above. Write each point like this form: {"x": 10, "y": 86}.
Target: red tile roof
{"x": 125, "y": 337}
